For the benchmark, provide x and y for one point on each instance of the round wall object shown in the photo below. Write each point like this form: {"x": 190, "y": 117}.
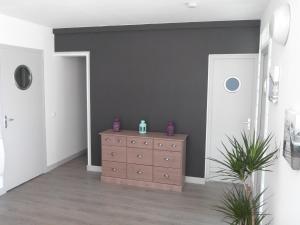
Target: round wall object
{"x": 23, "y": 77}
{"x": 280, "y": 24}
{"x": 232, "y": 84}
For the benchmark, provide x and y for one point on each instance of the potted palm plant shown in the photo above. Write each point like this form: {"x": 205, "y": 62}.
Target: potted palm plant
{"x": 242, "y": 159}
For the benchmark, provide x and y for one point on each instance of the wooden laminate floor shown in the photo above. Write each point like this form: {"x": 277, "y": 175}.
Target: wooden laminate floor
{"x": 69, "y": 195}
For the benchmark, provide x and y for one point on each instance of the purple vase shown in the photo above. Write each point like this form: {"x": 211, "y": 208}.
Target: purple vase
{"x": 116, "y": 125}
{"x": 170, "y": 130}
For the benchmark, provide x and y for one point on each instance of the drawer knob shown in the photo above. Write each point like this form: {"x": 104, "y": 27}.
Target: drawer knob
{"x": 166, "y": 159}
{"x": 107, "y": 139}
{"x": 166, "y": 176}
{"x": 139, "y": 156}
{"x": 160, "y": 144}
{"x": 114, "y": 169}
{"x": 119, "y": 141}
{"x": 112, "y": 154}
{"x": 173, "y": 146}
{"x": 133, "y": 142}
{"x": 139, "y": 172}
{"x": 146, "y": 143}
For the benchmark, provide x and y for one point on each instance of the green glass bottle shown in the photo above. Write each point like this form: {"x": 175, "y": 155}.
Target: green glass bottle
{"x": 143, "y": 127}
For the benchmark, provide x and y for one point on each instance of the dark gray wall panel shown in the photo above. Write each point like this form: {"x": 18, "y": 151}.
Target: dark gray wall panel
{"x": 156, "y": 73}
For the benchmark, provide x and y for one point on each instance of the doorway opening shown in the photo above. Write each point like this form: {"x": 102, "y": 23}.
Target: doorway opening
{"x": 79, "y": 95}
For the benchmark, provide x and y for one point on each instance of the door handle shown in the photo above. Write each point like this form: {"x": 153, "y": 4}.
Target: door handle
{"x": 248, "y": 123}
{"x": 6, "y": 120}
{"x": 265, "y": 86}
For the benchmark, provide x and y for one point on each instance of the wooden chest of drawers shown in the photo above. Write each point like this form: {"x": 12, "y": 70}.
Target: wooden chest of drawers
{"x": 153, "y": 160}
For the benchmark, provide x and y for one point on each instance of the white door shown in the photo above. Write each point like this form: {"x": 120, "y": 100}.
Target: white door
{"x": 22, "y": 116}
{"x": 231, "y": 103}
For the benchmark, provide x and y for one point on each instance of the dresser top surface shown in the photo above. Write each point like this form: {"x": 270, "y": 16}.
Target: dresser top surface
{"x": 178, "y": 137}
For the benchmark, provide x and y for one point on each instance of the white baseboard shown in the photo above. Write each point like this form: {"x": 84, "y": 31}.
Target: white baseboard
{"x": 2, "y": 192}
{"x": 194, "y": 180}
{"x": 190, "y": 180}
{"x": 91, "y": 168}
{"x": 60, "y": 163}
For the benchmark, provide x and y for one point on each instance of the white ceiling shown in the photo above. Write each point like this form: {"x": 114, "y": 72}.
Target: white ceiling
{"x": 80, "y": 13}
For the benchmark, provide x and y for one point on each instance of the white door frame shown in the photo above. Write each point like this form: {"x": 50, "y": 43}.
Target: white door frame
{"x": 211, "y": 59}
{"x": 266, "y": 49}
{"x": 85, "y": 54}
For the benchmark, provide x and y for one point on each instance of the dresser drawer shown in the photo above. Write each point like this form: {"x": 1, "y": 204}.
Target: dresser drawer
{"x": 114, "y": 169}
{"x": 167, "y": 159}
{"x": 114, "y": 140}
{"x": 169, "y": 145}
{"x": 139, "y": 172}
{"x": 140, "y": 142}
{"x": 114, "y": 153}
{"x": 167, "y": 175}
{"x": 139, "y": 156}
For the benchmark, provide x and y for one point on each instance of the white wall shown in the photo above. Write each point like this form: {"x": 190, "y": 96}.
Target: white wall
{"x": 284, "y": 183}
{"x": 59, "y": 88}
{"x": 67, "y": 127}
{"x": 1, "y": 163}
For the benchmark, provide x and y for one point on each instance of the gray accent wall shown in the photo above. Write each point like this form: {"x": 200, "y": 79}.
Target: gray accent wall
{"x": 157, "y": 73}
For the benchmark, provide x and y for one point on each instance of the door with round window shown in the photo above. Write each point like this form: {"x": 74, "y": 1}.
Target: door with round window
{"x": 230, "y": 103}
{"x": 23, "y": 114}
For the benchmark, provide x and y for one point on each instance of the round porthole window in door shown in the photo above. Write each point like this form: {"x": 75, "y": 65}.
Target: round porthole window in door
{"x": 23, "y": 77}
{"x": 232, "y": 84}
